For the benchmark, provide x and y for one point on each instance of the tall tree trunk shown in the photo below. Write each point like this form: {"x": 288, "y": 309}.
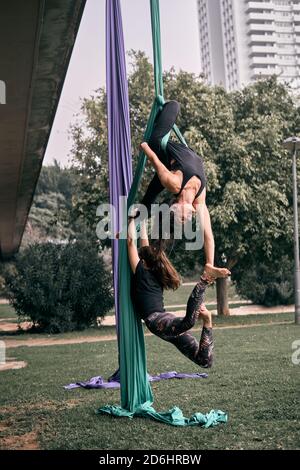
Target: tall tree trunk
{"x": 222, "y": 296}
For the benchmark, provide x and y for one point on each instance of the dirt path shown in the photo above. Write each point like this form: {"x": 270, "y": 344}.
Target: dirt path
{"x": 232, "y": 302}
{"x": 243, "y": 310}
{"x": 13, "y": 365}
{"x": 15, "y": 343}
{"x": 9, "y": 326}
{"x": 11, "y": 343}
{"x": 248, "y": 309}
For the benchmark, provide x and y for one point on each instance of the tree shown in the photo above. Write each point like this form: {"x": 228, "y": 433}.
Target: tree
{"x": 50, "y": 214}
{"x": 255, "y": 202}
{"x": 239, "y": 137}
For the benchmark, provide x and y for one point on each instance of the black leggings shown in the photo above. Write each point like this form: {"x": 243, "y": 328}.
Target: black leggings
{"x": 170, "y": 328}
{"x": 163, "y": 123}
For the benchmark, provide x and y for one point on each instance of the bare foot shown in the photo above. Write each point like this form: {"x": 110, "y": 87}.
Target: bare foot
{"x": 205, "y": 315}
{"x": 215, "y": 272}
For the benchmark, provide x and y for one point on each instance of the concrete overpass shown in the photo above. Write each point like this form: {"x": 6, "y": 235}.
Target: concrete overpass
{"x": 36, "y": 42}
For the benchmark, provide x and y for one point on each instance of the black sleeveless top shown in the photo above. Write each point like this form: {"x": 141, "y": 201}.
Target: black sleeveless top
{"x": 146, "y": 292}
{"x": 188, "y": 162}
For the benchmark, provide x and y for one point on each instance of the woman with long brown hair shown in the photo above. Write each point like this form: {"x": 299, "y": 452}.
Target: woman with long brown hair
{"x": 152, "y": 273}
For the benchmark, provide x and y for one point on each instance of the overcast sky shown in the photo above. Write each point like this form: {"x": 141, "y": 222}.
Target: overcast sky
{"x": 180, "y": 48}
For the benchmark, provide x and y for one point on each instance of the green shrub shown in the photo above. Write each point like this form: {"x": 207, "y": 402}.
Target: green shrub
{"x": 269, "y": 283}
{"x": 4, "y": 267}
{"x": 60, "y": 287}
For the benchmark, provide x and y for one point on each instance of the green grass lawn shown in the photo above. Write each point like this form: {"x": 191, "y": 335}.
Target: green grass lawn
{"x": 253, "y": 379}
{"x": 6, "y": 311}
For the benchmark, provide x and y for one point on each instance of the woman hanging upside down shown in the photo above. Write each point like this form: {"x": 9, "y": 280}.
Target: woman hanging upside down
{"x": 152, "y": 273}
{"x": 181, "y": 172}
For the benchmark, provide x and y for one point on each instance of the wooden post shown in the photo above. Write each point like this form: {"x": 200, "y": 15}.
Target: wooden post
{"x": 222, "y": 296}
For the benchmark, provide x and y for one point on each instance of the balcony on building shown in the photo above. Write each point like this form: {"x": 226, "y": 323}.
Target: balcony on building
{"x": 289, "y": 74}
{"x": 262, "y": 38}
{"x": 287, "y": 49}
{"x": 258, "y": 27}
{"x": 286, "y": 40}
{"x": 262, "y": 50}
{"x": 258, "y": 6}
{"x": 260, "y": 72}
{"x": 260, "y": 60}
{"x": 284, "y": 29}
{"x": 287, "y": 63}
{"x": 280, "y": 8}
{"x": 255, "y": 17}
{"x": 296, "y": 18}
{"x": 296, "y": 7}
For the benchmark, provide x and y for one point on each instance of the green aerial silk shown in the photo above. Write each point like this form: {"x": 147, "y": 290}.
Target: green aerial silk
{"x": 136, "y": 394}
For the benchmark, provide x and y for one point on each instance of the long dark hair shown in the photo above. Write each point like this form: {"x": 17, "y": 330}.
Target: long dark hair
{"x": 159, "y": 264}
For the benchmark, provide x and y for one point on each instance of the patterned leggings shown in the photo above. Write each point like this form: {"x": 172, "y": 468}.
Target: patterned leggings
{"x": 170, "y": 328}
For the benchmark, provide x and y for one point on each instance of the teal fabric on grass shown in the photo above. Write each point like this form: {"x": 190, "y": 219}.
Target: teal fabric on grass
{"x": 173, "y": 416}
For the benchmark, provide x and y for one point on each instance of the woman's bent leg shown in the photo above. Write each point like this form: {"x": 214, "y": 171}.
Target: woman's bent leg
{"x": 200, "y": 353}
{"x": 171, "y": 325}
{"x": 164, "y": 122}
{"x": 196, "y": 300}
{"x": 164, "y": 325}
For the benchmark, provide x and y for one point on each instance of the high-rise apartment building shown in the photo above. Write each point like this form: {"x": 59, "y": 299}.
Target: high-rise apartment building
{"x": 242, "y": 40}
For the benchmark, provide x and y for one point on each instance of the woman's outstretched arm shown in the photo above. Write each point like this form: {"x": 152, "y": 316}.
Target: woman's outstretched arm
{"x": 144, "y": 234}
{"x": 131, "y": 244}
{"x": 208, "y": 238}
{"x": 209, "y": 241}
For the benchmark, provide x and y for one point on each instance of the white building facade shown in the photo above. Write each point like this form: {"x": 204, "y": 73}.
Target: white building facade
{"x": 242, "y": 40}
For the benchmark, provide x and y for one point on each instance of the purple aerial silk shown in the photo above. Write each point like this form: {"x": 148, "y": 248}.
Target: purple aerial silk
{"x": 120, "y": 164}
{"x": 118, "y": 121}
{"x": 99, "y": 382}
